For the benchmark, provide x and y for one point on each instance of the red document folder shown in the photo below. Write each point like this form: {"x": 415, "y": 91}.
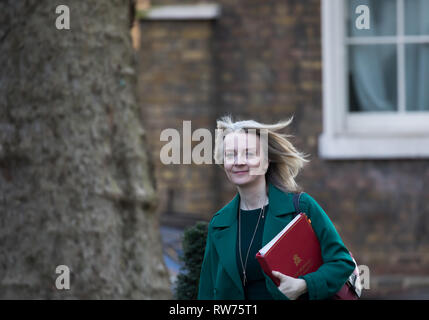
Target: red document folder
{"x": 295, "y": 250}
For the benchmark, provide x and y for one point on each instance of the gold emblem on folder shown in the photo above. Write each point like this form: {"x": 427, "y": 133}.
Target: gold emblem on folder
{"x": 296, "y": 259}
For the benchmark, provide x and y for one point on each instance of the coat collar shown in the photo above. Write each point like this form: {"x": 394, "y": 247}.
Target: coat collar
{"x": 279, "y": 204}
{"x": 224, "y": 224}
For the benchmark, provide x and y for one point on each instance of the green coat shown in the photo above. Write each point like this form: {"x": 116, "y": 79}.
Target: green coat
{"x": 219, "y": 278}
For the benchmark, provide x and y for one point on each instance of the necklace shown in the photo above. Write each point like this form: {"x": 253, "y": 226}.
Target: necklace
{"x": 244, "y": 265}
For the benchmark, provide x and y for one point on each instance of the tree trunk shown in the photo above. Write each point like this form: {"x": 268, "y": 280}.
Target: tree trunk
{"x": 76, "y": 185}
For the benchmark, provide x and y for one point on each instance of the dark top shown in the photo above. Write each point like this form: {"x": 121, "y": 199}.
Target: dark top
{"x": 255, "y": 288}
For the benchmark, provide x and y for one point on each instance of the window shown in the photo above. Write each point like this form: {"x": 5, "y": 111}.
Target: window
{"x": 376, "y": 80}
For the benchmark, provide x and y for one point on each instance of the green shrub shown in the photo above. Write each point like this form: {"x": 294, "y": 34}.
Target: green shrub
{"x": 194, "y": 243}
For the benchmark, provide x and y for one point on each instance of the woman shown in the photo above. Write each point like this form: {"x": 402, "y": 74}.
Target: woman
{"x": 263, "y": 164}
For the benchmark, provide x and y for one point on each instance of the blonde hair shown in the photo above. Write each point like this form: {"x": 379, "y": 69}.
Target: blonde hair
{"x": 285, "y": 161}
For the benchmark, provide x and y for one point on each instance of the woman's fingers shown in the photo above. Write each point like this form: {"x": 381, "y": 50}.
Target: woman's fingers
{"x": 279, "y": 275}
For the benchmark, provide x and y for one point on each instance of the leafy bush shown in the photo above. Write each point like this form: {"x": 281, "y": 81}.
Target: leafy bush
{"x": 194, "y": 243}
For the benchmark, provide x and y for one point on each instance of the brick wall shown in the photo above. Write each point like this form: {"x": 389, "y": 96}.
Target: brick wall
{"x": 176, "y": 84}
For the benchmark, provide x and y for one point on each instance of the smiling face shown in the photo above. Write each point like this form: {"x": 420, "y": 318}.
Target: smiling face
{"x": 244, "y": 163}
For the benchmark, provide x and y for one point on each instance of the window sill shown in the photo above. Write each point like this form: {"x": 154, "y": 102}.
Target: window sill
{"x": 347, "y": 146}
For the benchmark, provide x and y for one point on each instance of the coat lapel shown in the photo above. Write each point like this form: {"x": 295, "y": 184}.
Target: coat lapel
{"x": 280, "y": 212}
{"x": 225, "y": 238}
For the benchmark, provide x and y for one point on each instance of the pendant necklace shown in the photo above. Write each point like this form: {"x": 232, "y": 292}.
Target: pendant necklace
{"x": 244, "y": 265}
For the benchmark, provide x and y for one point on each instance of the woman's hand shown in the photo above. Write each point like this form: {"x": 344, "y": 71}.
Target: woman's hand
{"x": 290, "y": 287}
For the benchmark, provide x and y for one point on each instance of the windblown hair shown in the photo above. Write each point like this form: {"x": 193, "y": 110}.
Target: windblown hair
{"x": 285, "y": 161}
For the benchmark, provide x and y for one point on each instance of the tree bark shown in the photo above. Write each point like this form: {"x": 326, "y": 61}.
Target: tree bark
{"x": 76, "y": 184}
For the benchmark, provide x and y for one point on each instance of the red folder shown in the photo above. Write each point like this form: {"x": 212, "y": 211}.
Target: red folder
{"x": 295, "y": 251}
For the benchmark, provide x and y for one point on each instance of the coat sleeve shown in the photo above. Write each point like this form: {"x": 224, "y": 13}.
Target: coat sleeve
{"x": 337, "y": 262}
{"x": 206, "y": 284}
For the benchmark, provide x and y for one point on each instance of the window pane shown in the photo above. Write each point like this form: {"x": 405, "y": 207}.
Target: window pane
{"x": 417, "y": 76}
{"x": 417, "y": 17}
{"x": 382, "y": 18}
{"x": 372, "y": 78}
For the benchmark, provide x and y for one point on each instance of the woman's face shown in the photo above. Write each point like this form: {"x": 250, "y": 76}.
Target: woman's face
{"x": 244, "y": 162}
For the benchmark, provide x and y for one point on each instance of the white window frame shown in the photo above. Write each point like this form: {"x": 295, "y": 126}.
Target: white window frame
{"x": 365, "y": 135}
{"x": 199, "y": 11}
